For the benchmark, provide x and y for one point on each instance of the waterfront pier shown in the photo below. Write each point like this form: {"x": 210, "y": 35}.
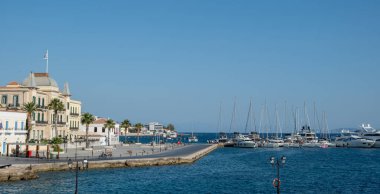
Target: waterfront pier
{"x": 27, "y": 168}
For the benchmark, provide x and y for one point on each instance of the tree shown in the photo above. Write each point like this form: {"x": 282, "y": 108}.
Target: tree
{"x": 110, "y": 124}
{"x": 87, "y": 119}
{"x": 29, "y": 108}
{"x": 56, "y": 105}
{"x": 138, "y": 126}
{"x": 170, "y": 127}
{"x": 125, "y": 124}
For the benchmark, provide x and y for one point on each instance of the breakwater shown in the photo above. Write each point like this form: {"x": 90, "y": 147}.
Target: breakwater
{"x": 29, "y": 171}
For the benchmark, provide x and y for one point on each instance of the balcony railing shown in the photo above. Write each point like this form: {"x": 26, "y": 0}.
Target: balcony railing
{"x": 74, "y": 114}
{"x": 41, "y": 122}
{"x": 74, "y": 128}
{"x": 40, "y": 107}
{"x": 13, "y": 106}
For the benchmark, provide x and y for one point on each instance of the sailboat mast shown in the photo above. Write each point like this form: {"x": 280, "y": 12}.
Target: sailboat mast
{"x": 248, "y": 117}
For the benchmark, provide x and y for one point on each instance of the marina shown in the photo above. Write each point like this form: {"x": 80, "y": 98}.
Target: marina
{"x": 226, "y": 170}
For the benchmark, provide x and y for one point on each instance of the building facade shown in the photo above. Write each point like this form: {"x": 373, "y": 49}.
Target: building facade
{"x": 99, "y": 134}
{"x": 12, "y": 128}
{"x": 40, "y": 88}
{"x": 154, "y": 127}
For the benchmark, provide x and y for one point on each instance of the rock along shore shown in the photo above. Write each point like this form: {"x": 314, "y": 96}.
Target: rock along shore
{"x": 29, "y": 171}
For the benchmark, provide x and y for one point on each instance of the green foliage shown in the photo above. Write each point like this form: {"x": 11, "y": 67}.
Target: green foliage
{"x": 170, "y": 127}
{"x": 110, "y": 124}
{"x": 44, "y": 141}
{"x": 56, "y": 105}
{"x": 125, "y": 124}
{"x": 87, "y": 118}
{"x": 57, "y": 140}
{"x": 56, "y": 148}
{"x": 139, "y": 126}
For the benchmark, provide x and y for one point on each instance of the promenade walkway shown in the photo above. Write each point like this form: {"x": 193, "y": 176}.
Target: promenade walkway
{"x": 132, "y": 151}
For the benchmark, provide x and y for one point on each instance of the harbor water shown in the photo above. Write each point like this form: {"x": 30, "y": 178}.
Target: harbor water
{"x": 227, "y": 170}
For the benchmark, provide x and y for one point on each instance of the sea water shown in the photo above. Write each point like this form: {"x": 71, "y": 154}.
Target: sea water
{"x": 227, "y": 170}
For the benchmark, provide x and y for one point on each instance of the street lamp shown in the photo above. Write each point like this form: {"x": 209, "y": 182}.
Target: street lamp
{"x": 276, "y": 162}
{"x": 84, "y": 166}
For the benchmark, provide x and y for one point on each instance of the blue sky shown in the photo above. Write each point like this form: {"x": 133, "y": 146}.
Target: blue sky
{"x": 176, "y": 61}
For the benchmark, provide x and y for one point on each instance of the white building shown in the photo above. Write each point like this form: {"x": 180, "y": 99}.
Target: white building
{"x": 99, "y": 134}
{"x": 12, "y": 128}
{"x": 153, "y": 127}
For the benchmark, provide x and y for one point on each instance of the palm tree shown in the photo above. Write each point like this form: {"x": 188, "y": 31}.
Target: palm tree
{"x": 138, "y": 128}
{"x": 87, "y": 119}
{"x": 125, "y": 124}
{"x": 110, "y": 124}
{"x": 56, "y": 105}
{"x": 29, "y": 108}
{"x": 170, "y": 127}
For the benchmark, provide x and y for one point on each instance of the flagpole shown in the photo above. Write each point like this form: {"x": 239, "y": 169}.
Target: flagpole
{"x": 47, "y": 61}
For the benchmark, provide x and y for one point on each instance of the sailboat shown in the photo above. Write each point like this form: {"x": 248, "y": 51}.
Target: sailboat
{"x": 276, "y": 141}
{"x": 193, "y": 138}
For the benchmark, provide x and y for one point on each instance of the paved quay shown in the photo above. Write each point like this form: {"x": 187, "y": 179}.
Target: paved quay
{"x": 27, "y": 168}
{"x": 132, "y": 151}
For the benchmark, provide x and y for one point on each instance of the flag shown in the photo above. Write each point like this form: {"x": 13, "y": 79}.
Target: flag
{"x": 46, "y": 56}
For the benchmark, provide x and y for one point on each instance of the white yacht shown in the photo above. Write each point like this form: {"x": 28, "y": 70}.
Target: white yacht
{"x": 349, "y": 139}
{"x": 309, "y": 137}
{"x": 243, "y": 141}
{"x": 368, "y": 132}
{"x": 193, "y": 138}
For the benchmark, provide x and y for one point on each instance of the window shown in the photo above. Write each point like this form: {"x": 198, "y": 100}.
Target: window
{"x": 34, "y": 99}
{"x": 43, "y": 102}
{"x": 34, "y": 134}
{"x": 95, "y": 129}
{"x": 68, "y": 105}
{"x": 16, "y": 125}
{"x": 42, "y": 115}
{"x": 15, "y": 100}
{"x": 38, "y": 134}
{"x": 34, "y": 116}
{"x": 4, "y": 99}
{"x": 103, "y": 129}
{"x": 38, "y": 117}
{"x": 6, "y": 125}
{"x": 22, "y": 125}
{"x": 42, "y": 134}
{"x": 39, "y": 101}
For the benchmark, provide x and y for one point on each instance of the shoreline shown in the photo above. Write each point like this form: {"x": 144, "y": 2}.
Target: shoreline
{"x": 30, "y": 171}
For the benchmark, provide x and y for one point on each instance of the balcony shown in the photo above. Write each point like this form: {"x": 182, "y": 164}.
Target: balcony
{"x": 74, "y": 128}
{"x": 21, "y": 131}
{"x": 41, "y": 122}
{"x": 74, "y": 114}
{"x": 13, "y": 106}
{"x": 40, "y": 107}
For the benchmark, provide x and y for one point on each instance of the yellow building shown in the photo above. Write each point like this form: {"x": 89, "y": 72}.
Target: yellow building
{"x": 41, "y": 89}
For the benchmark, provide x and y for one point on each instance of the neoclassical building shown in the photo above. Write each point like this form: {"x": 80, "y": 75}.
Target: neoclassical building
{"x": 41, "y": 89}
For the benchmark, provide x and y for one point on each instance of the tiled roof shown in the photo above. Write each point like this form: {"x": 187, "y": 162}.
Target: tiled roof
{"x": 100, "y": 121}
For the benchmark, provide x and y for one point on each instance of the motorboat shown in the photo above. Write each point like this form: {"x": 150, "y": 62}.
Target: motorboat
{"x": 368, "y": 132}
{"x": 308, "y": 135}
{"x": 243, "y": 141}
{"x": 349, "y": 139}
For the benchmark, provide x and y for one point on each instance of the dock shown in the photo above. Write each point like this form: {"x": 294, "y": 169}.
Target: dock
{"x": 28, "y": 169}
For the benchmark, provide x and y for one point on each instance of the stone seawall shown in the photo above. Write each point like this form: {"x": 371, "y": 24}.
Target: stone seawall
{"x": 29, "y": 171}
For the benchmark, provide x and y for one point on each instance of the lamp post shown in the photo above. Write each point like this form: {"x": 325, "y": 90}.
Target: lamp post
{"x": 84, "y": 166}
{"x": 277, "y": 163}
